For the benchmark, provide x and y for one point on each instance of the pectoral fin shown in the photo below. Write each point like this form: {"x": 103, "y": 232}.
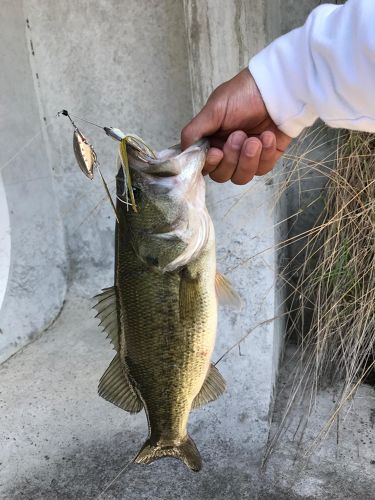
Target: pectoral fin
{"x": 115, "y": 387}
{"x": 225, "y": 292}
{"x": 189, "y": 292}
{"x": 213, "y": 388}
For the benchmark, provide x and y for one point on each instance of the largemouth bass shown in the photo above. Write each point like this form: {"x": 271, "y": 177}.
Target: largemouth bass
{"x": 161, "y": 313}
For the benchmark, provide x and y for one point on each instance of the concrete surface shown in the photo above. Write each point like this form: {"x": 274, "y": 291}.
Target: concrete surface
{"x": 99, "y": 61}
{"x": 61, "y": 441}
{"x": 342, "y": 466}
{"x": 37, "y": 277}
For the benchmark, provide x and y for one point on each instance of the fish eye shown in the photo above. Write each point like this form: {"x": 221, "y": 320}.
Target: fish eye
{"x": 137, "y": 193}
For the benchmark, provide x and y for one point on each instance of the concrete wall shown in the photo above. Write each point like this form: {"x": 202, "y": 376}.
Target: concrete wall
{"x": 116, "y": 63}
{"x": 222, "y": 35}
{"x": 37, "y": 276}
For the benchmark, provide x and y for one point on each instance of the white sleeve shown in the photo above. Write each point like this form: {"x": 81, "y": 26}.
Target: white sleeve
{"x": 324, "y": 69}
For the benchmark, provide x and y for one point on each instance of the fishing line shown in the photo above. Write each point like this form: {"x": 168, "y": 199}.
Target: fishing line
{"x": 22, "y": 148}
{"x": 126, "y": 466}
{"x": 107, "y": 191}
{"x": 34, "y": 137}
{"x": 86, "y": 156}
{"x": 123, "y": 201}
{"x": 265, "y": 322}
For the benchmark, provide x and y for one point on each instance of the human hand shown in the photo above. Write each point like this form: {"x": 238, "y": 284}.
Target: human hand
{"x": 244, "y": 140}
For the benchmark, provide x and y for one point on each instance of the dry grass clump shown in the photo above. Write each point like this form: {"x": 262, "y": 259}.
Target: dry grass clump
{"x": 332, "y": 302}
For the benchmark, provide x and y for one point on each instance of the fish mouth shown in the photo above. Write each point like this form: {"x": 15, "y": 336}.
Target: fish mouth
{"x": 170, "y": 185}
{"x": 168, "y": 162}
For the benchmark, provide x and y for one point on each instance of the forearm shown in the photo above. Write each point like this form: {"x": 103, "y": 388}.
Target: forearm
{"x": 324, "y": 69}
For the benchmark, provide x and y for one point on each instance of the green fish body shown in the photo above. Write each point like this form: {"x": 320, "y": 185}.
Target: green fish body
{"x": 161, "y": 314}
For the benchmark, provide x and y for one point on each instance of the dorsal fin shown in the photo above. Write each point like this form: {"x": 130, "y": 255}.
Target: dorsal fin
{"x": 107, "y": 308}
{"x": 226, "y": 294}
{"x": 212, "y": 388}
{"x": 115, "y": 387}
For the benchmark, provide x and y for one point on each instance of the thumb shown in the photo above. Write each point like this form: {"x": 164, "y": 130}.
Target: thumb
{"x": 202, "y": 125}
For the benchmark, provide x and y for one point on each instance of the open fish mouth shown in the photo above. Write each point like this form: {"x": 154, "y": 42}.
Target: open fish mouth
{"x": 167, "y": 162}
{"x": 167, "y": 172}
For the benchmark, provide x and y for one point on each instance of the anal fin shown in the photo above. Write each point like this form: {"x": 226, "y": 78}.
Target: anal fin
{"x": 212, "y": 388}
{"x": 115, "y": 387}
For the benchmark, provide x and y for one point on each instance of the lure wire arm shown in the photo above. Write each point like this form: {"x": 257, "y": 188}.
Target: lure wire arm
{"x": 124, "y": 140}
{"x": 64, "y": 112}
{"x": 94, "y": 156}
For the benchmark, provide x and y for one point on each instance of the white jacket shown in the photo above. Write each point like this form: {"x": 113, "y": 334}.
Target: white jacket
{"x": 324, "y": 69}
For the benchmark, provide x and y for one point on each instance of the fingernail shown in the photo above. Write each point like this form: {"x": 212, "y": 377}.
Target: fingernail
{"x": 267, "y": 141}
{"x": 213, "y": 158}
{"x": 251, "y": 148}
{"x": 236, "y": 140}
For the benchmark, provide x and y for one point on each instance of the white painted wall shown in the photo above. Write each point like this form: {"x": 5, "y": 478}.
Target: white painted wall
{"x": 4, "y": 242}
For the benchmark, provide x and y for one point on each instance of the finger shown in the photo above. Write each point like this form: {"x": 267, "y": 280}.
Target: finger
{"x": 232, "y": 151}
{"x": 269, "y": 154}
{"x": 204, "y": 124}
{"x": 214, "y": 157}
{"x": 248, "y": 162}
{"x": 282, "y": 141}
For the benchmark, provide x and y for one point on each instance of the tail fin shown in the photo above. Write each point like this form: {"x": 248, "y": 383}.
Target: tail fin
{"x": 186, "y": 451}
